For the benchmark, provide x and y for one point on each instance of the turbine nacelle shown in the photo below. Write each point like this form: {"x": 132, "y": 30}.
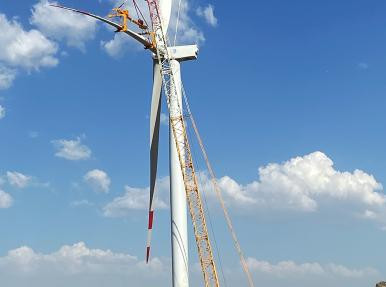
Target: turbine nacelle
{"x": 183, "y": 53}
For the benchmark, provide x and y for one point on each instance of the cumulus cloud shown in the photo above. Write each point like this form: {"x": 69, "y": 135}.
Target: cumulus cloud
{"x": 207, "y": 13}
{"x": 291, "y": 269}
{"x": 23, "y": 49}
{"x": 18, "y": 179}
{"x": 2, "y": 112}
{"x": 5, "y": 199}
{"x": 137, "y": 199}
{"x": 78, "y": 265}
{"x": 62, "y": 25}
{"x": 303, "y": 184}
{"x": 19, "y": 48}
{"x": 188, "y": 32}
{"x": 117, "y": 46}
{"x": 98, "y": 180}
{"x": 7, "y": 76}
{"x": 29, "y": 50}
{"x": 71, "y": 149}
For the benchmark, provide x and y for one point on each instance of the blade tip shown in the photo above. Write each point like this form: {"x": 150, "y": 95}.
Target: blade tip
{"x": 147, "y": 254}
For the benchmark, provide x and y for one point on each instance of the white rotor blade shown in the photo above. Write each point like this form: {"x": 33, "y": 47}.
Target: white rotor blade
{"x": 155, "y": 118}
{"x": 165, "y": 9}
{"x": 129, "y": 32}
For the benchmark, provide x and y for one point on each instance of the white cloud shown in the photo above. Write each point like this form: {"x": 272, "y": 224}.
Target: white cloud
{"x": 303, "y": 184}
{"x": 2, "y": 112}
{"x": 71, "y": 149}
{"x": 98, "y": 180}
{"x": 7, "y": 76}
{"x": 64, "y": 25}
{"x": 138, "y": 199}
{"x": 291, "y": 269}
{"x": 19, "y": 48}
{"x": 5, "y": 199}
{"x": 78, "y": 265}
{"x": 188, "y": 32}
{"x": 117, "y": 46}
{"x": 22, "y": 49}
{"x": 208, "y": 14}
{"x": 18, "y": 179}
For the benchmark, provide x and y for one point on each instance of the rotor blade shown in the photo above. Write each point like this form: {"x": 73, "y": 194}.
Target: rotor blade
{"x": 132, "y": 34}
{"x": 165, "y": 11}
{"x": 155, "y": 120}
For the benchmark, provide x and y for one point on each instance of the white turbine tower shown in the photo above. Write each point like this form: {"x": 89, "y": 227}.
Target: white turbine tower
{"x": 178, "y": 208}
{"x": 178, "y": 200}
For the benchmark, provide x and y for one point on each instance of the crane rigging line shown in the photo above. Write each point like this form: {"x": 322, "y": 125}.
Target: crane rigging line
{"x": 177, "y": 23}
{"x": 207, "y": 210}
{"x": 216, "y": 186}
{"x": 123, "y": 3}
{"x": 139, "y": 13}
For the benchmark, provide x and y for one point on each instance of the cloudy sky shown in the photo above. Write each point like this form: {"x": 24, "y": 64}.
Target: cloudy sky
{"x": 289, "y": 98}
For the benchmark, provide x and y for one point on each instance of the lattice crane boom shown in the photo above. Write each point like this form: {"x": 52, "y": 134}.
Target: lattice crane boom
{"x": 184, "y": 152}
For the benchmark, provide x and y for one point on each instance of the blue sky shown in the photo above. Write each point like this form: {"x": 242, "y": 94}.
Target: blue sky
{"x": 288, "y": 96}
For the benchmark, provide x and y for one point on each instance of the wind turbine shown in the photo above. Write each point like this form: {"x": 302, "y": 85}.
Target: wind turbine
{"x": 183, "y": 180}
{"x": 178, "y": 201}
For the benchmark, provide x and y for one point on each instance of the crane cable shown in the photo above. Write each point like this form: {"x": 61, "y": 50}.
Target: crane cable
{"x": 177, "y": 23}
{"x": 139, "y": 13}
{"x": 218, "y": 192}
{"x": 207, "y": 211}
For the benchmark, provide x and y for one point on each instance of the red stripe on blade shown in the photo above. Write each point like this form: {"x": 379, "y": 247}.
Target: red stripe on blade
{"x": 150, "y": 219}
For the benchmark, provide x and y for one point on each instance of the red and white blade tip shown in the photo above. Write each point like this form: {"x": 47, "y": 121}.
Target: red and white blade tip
{"x": 149, "y": 230}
